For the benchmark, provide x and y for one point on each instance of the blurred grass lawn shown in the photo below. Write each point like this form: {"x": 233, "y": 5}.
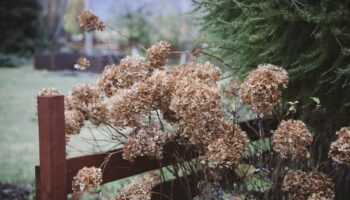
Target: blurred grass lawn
{"x": 18, "y": 121}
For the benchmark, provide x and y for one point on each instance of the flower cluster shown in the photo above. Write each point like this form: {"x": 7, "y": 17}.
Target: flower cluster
{"x": 87, "y": 178}
{"x": 226, "y": 148}
{"x": 340, "y": 149}
{"x": 87, "y": 100}
{"x": 48, "y": 92}
{"x": 145, "y": 141}
{"x": 129, "y": 106}
{"x": 90, "y": 22}
{"x": 158, "y": 53}
{"x": 206, "y": 72}
{"x": 140, "y": 188}
{"x": 84, "y": 102}
{"x": 198, "y": 107}
{"x": 82, "y": 64}
{"x": 308, "y": 186}
{"x": 262, "y": 87}
{"x": 291, "y": 139}
{"x": 74, "y": 120}
{"x": 196, "y": 100}
{"x": 162, "y": 85}
{"x": 129, "y": 71}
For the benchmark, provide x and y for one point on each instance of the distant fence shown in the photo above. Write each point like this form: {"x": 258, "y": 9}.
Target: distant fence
{"x": 66, "y": 61}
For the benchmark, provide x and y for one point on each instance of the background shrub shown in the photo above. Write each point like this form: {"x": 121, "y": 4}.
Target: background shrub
{"x": 19, "y": 29}
{"x": 308, "y": 38}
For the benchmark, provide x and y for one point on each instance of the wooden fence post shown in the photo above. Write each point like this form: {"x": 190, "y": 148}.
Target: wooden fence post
{"x": 52, "y": 174}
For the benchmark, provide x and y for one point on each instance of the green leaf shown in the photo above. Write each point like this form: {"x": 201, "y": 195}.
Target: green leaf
{"x": 244, "y": 170}
{"x": 258, "y": 146}
{"x": 258, "y": 183}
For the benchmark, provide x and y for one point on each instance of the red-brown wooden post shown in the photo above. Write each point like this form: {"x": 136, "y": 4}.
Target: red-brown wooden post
{"x": 53, "y": 165}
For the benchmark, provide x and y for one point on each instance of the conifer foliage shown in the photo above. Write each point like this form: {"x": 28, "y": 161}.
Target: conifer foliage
{"x": 309, "y": 38}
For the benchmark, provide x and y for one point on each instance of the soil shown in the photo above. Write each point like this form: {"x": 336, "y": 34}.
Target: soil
{"x": 14, "y": 192}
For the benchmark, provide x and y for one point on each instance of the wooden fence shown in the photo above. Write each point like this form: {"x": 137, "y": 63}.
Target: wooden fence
{"x": 55, "y": 173}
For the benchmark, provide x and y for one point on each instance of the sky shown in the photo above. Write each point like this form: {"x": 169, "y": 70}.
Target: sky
{"x": 109, "y": 8}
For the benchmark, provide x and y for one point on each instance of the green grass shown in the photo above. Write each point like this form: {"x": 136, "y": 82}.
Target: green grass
{"x": 18, "y": 121}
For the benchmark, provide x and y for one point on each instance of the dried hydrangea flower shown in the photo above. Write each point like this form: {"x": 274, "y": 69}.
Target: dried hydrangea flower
{"x": 262, "y": 87}
{"x": 87, "y": 178}
{"x": 48, "y": 92}
{"x": 90, "y": 22}
{"x": 206, "y": 72}
{"x": 172, "y": 82}
{"x": 82, "y": 95}
{"x": 129, "y": 106}
{"x": 291, "y": 139}
{"x": 158, "y": 53}
{"x": 162, "y": 84}
{"x": 306, "y": 186}
{"x": 197, "y": 105}
{"x": 74, "y": 121}
{"x": 129, "y": 71}
{"x": 140, "y": 188}
{"x": 87, "y": 99}
{"x": 226, "y": 147}
{"x": 145, "y": 141}
{"x": 82, "y": 64}
{"x": 195, "y": 100}
{"x": 340, "y": 149}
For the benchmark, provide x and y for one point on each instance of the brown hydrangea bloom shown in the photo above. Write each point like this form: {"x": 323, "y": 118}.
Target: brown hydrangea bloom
{"x": 262, "y": 87}
{"x": 157, "y": 54}
{"x": 90, "y": 22}
{"x": 340, "y": 149}
{"x": 82, "y": 95}
{"x": 97, "y": 112}
{"x": 128, "y": 72}
{"x": 87, "y": 99}
{"x": 87, "y": 178}
{"x": 48, "y": 92}
{"x": 162, "y": 84}
{"x": 308, "y": 186}
{"x": 226, "y": 147}
{"x": 82, "y": 64}
{"x": 291, "y": 139}
{"x": 145, "y": 141}
{"x": 129, "y": 106}
{"x": 140, "y": 188}
{"x": 206, "y": 73}
{"x": 197, "y": 105}
{"x": 74, "y": 121}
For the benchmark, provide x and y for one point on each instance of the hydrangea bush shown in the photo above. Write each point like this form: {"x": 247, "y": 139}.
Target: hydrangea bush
{"x": 148, "y": 105}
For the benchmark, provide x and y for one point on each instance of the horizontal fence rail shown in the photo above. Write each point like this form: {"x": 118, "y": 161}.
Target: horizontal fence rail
{"x": 117, "y": 168}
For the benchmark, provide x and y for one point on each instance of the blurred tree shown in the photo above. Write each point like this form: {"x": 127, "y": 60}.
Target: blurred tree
{"x": 19, "y": 29}
{"x": 148, "y": 21}
{"x": 71, "y": 23}
{"x": 51, "y": 18}
{"x": 310, "y": 38}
